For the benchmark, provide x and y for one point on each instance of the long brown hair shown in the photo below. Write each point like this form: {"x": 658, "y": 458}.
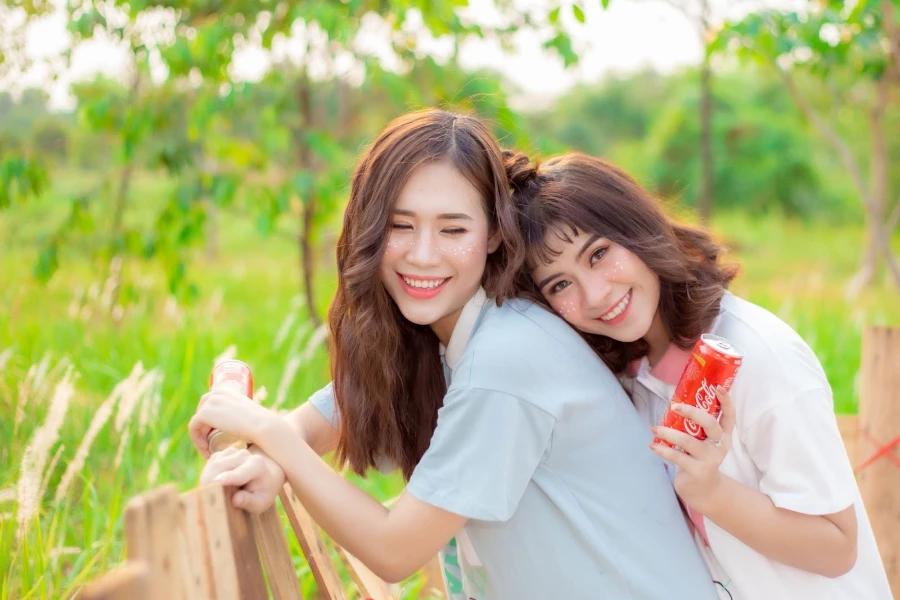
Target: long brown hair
{"x": 387, "y": 375}
{"x": 578, "y": 192}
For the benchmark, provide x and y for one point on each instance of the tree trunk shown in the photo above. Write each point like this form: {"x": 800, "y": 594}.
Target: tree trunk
{"x": 705, "y": 199}
{"x": 304, "y": 163}
{"x": 878, "y": 187}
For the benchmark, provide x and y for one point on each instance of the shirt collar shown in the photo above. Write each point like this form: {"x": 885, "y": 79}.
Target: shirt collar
{"x": 669, "y": 368}
{"x": 463, "y": 329}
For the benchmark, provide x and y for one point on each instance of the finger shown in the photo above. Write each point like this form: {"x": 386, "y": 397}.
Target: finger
{"x": 676, "y": 457}
{"x": 253, "y": 501}
{"x": 199, "y": 436}
{"x": 728, "y": 417}
{"x": 709, "y": 423}
{"x": 222, "y": 462}
{"x": 243, "y": 473}
{"x": 687, "y": 443}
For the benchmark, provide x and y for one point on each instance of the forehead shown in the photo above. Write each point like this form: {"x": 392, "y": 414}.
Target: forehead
{"x": 437, "y": 188}
{"x": 561, "y": 244}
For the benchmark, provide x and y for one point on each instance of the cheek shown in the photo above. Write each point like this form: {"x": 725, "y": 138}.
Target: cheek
{"x": 464, "y": 251}
{"x": 566, "y": 308}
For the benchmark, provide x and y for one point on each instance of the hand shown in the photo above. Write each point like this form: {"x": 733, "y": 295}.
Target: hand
{"x": 258, "y": 477}
{"x": 698, "y": 461}
{"x": 228, "y": 410}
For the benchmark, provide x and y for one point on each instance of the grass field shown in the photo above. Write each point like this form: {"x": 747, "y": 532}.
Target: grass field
{"x": 95, "y": 408}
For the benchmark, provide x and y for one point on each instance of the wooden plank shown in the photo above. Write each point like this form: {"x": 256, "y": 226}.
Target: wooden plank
{"x": 313, "y": 546}
{"x": 370, "y": 585}
{"x": 131, "y": 581}
{"x": 233, "y": 558}
{"x": 151, "y": 525}
{"x": 879, "y": 420}
{"x": 199, "y": 581}
{"x": 275, "y": 555}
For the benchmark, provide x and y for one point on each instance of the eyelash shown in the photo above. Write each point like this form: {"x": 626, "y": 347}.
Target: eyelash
{"x": 593, "y": 260}
{"x": 451, "y": 231}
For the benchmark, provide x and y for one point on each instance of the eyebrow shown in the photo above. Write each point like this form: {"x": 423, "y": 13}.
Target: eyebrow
{"x": 584, "y": 248}
{"x": 442, "y": 216}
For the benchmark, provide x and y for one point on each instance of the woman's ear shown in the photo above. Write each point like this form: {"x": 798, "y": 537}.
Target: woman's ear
{"x": 494, "y": 241}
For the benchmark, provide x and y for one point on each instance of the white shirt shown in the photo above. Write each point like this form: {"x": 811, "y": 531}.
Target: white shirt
{"x": 786, "y": 444}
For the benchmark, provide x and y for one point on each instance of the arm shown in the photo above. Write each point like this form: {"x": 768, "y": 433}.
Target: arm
{"x": 823, "y": 544}
{"x": 394, "y": 543}
{"x": 799, "y": 469}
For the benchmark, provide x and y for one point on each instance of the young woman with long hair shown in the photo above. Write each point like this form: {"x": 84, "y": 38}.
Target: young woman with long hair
{"x": 770, "y": 493}
{"x": 496, "y": 412}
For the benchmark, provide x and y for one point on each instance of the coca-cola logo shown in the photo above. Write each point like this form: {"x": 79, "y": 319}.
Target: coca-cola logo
{"x": 705, "y": 395}
{"x": 691, "y": 428}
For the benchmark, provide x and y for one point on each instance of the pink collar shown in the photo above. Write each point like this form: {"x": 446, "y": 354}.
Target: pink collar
{"x": 668, "y": 369}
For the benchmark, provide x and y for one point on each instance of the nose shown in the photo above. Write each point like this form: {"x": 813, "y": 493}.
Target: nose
{"x": 424, "y": 253}
{"x": 595, "y": 292}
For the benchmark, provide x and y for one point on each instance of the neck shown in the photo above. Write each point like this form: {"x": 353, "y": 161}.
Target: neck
{"x": 657, "y": 339}
{"x": 443, "y": 327}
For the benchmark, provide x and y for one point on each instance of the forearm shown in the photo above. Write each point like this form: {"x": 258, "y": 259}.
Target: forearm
{"x": 352, "y": 518}
{"x": 809, "y": 542}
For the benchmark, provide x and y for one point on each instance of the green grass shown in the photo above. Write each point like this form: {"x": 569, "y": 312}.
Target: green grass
{"x": 248, "y": 291}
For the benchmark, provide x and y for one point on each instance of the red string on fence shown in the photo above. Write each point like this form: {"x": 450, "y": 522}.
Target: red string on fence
{"x": 885, "y": 451}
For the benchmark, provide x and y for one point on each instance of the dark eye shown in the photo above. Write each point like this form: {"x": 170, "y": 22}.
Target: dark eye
{"x": 559, "y": 286}
{"x": 401, "y": 226}
{"x": 598, "y": 254}
{"x": 454, "y": 230}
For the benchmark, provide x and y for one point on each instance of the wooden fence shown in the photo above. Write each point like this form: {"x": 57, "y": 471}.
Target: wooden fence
{"x": 197, "y": 545}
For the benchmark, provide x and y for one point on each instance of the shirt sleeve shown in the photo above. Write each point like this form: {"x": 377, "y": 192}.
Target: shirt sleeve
{"x": 323, "y": 400}
{"x": 798, "y": 450}
{"x": 484, "y": 452}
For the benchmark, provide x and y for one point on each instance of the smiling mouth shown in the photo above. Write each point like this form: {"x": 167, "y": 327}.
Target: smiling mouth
{"x": 617, "y": 310}
{"x": 423, "y": 284}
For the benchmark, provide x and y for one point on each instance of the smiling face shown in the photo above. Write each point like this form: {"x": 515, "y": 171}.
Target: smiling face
{"x": 437, "y": 247}
{"x": 599, "y": 286}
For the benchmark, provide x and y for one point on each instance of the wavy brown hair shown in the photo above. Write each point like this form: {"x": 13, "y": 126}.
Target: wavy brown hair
{"x": 387, "y": 375}
{"x": 576, "y": 192}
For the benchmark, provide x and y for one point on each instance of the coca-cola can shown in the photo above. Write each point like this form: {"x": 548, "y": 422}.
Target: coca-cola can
{"x": 238, "y": 376}
{"x": 714, "y": 362}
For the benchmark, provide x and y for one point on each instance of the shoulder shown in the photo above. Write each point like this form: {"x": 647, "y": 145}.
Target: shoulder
{"x": 523, "y": 349}
{"x": 778, "y": 365}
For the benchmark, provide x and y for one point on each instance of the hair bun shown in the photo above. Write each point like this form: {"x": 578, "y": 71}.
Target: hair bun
{"x": 519, "y": 169}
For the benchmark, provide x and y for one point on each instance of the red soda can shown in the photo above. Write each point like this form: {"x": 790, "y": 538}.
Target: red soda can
{"x": 714, "y": 362}
{"x": 238, "y": 376}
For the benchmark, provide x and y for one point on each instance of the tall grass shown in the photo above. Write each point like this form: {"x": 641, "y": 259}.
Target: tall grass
{"x": 97, "y": 393}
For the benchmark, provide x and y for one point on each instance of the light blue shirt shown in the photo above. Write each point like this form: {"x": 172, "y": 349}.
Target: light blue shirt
{"x": 539, "y": 446}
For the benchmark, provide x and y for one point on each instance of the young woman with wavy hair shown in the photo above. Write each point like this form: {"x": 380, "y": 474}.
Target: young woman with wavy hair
{"x": 495, "y": 411}
{"x": 770, "y": 492}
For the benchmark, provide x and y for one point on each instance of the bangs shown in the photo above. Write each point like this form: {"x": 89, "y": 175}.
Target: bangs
{"x": 545, "y": 235}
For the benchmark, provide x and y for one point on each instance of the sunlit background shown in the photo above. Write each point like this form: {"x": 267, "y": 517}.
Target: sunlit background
{"x": 172, "y": 177}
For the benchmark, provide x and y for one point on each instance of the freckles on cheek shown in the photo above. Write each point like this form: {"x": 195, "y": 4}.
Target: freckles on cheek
{"x": 462, "y": 252}
{"x": 395, "y": 246}
{"x": 565, "y": 308}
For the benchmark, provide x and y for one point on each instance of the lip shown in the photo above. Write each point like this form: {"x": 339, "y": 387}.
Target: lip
{"x": 421, "y": 293}
{"x": 624, "y": 313}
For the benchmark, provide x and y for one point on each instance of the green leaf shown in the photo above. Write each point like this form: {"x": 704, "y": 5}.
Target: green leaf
{"x": 579, "y": 14}
{"x": 553, "y": 17}
{"x": 47, "y": 261}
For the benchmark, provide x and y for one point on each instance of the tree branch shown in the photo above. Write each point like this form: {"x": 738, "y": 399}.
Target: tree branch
{"x": 843, "y": 150}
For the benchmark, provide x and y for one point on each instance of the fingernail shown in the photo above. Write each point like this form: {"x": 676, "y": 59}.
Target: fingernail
{"x": 655, "y": 429}
{"x": 677, "y": 408}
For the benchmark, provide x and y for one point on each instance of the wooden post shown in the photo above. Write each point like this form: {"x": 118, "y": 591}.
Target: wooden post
{"x": 275, "y": 555}
{"x": 151, "y": 526}
{"x": 313, "y": 546}
{"x": 879, "y": 420}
